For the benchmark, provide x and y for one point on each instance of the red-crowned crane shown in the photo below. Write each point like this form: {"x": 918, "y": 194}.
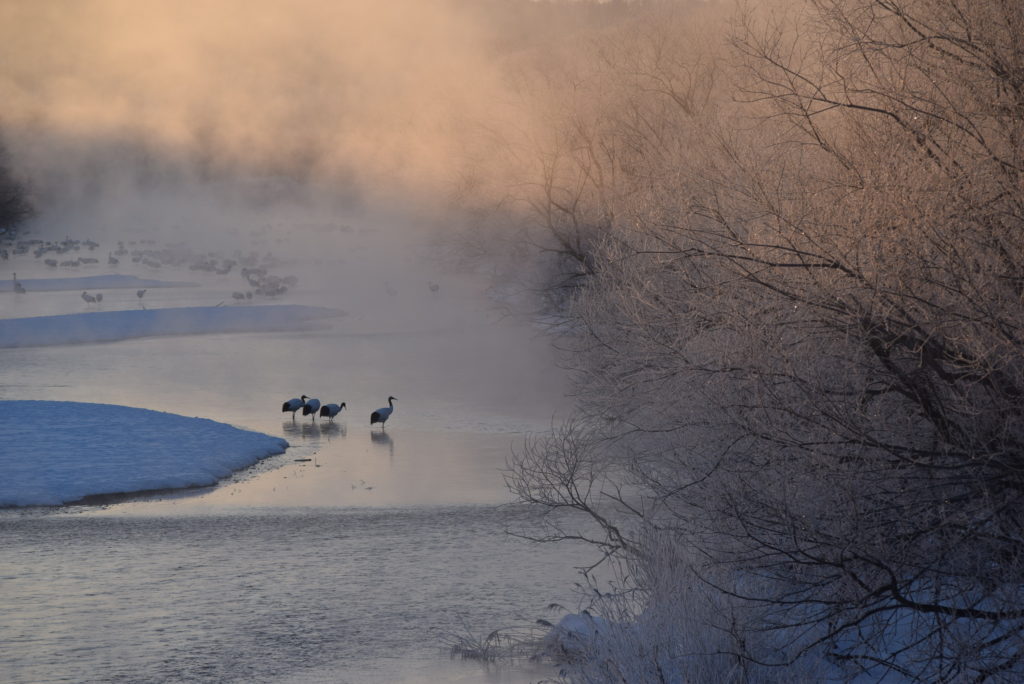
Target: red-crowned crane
{"x": 331, "y": 410}
{"x": 311, "y": 407}
{"x": 381, "y": 415}
{"x": 293, "y": 405}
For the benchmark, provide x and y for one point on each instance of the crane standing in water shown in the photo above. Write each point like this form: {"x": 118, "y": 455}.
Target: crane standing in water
{"x": 381, "y": 415}
{"x": 331, "y": 410}
{"x": 293, "y": 405}
{"x": 311, "y": 407}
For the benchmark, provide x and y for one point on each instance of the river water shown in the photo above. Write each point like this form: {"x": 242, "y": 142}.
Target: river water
{"x": 354, "y": 557}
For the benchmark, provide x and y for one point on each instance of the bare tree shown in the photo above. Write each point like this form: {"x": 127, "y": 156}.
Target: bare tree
{"x": 804, "y": 348}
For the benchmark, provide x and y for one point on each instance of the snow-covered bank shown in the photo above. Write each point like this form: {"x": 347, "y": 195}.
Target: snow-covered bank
{"x": 96, "y": 282}
{"x": 111, "y": 326}
{"x": 54, "y": 452}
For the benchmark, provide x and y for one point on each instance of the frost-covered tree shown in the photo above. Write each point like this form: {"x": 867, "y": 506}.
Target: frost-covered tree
{"x": 799, "y": 349}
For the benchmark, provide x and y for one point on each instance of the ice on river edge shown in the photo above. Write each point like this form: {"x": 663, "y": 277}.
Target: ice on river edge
{"x": 112, "y": 326}
{"x": 55, "y": 452}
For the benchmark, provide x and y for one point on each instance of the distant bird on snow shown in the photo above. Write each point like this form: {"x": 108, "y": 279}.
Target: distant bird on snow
{"x": 293, "y": 405}
{"x": 381, "y": 415}
{"x": 331, "y": 410}
{"x": 88, "y": 297}
{"x": 140, "y": 293}
{"x": 311, "y": 407}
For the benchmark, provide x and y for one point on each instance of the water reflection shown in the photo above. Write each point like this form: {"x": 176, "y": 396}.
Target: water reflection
{"x": 305, "y": 430}
{"x": 332, "y": 430}
{"x": 383, "y": 439}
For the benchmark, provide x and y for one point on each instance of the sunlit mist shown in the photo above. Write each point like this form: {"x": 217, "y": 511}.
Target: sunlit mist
{"x": 358, "y": 92}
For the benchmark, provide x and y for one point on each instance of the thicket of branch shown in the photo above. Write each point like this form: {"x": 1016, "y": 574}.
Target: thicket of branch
{"x": 799, "y": 328}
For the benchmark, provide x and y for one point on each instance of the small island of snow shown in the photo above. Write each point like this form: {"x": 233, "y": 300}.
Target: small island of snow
{"x": 107, "y": 449}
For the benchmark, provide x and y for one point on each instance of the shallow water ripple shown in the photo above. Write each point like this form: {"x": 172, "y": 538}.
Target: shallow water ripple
{"x": 256, "y": 597}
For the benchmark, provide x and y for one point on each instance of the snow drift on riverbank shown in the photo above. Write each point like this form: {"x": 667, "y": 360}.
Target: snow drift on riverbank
{"x": 96, "y": 282}
{"x": 111, "y": 326}
{"x": 54, "y": 452}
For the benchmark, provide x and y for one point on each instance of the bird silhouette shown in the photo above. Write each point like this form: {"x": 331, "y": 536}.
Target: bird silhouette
{"x": 311, "y": 407}
{"x": 331, "y": 410}
{"x": 293, "y": 405}
{"x": 381, "y": 415}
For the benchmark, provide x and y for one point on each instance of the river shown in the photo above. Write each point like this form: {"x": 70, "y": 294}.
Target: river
{"x": 354, "y": 557}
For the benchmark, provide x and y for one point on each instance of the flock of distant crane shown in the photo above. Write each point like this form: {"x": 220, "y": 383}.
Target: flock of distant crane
{"x": 254, "y": 268}
{"x": 256, "y": 275}
{"x": 98, "y": 297}
{"x": 310, "y": 406}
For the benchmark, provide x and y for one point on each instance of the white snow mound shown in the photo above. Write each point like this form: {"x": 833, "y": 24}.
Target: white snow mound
{"x": 55, "y": 452}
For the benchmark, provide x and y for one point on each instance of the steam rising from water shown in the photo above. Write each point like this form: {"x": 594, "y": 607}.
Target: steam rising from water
{"x": 104, "y": 95}
{"x": 229, "y": 122}
{"x": 326, "y": 132}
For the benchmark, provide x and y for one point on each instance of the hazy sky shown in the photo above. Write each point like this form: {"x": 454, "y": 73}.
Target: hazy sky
{"x": 359, "y": 89}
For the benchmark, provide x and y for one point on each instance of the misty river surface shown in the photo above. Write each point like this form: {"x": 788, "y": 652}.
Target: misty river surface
{"x": 353, "y": 557}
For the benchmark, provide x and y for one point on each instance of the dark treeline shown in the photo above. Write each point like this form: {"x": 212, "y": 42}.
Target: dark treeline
{"x": 15, "y": 206}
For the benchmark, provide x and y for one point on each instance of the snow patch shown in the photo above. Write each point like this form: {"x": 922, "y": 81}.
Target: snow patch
{"x": 55, "y": 452}
{"x": 111, "y": 326}
{"x": 575, "y": 635}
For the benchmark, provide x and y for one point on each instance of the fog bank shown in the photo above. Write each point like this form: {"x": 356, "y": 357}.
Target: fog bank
{"x": 118, "y": 93}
